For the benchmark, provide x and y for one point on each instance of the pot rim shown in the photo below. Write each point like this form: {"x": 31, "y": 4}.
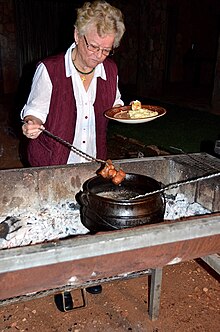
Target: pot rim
{"x": 130, "y": 201}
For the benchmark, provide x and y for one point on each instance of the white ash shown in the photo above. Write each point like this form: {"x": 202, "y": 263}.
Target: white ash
{"x": 62, "y": 220}
{"x": 179, "y": 206}
{"x": 49, "y": 223}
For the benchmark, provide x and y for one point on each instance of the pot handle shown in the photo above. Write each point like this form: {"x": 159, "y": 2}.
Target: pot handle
{"x": 164, "y": 201}
{"x": 84, "y": 198}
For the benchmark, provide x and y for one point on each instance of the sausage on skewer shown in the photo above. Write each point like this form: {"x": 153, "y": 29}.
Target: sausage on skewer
{"x": 109, "y": 172}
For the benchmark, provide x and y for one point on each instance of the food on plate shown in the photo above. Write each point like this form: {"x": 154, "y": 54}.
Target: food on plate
{"x": 137, "y": 112}
{"x": 135, "y": 105}
{"x": 142, "y": 113}
{"x": 109, "y": 172}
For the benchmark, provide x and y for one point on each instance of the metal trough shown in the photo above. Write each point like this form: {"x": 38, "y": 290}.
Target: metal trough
{"x": 81, "y": 261}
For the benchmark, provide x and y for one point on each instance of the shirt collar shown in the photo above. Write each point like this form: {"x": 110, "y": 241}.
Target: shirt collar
{"x": 70, "y": 70}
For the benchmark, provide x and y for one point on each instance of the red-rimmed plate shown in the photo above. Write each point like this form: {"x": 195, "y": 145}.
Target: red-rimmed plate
{"x": 121, "y": 114}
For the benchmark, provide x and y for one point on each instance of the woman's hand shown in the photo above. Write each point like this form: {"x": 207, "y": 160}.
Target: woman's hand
{"x": 32, "y": 127}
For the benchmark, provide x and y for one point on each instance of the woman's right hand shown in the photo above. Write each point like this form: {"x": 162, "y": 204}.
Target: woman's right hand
{"x": 32, "y": 127}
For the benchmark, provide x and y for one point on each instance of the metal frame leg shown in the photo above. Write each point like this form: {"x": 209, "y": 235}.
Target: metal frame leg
{"x": 213, "y": 261}
{"x": 155, "y": 291}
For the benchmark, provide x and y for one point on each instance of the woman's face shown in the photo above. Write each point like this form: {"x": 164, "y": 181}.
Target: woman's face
{"x": 91, "y": 58}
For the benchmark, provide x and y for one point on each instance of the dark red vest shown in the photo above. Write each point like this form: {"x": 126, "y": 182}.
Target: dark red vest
{"x": 61, "y": 120}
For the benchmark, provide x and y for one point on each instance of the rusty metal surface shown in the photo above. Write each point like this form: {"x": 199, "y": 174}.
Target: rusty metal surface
{"x": 76, "y": 273}
{"x": 86, "y": 246}
{"x": 39, "y": 267}
{"x": 49, "y": 291}
{"x": 46, "y": 266}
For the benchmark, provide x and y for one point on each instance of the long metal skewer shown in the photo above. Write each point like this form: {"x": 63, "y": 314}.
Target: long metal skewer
{"x": 72, "y": 147}
{"x": 178, "y": 184}
{"x": 88, "y": 157}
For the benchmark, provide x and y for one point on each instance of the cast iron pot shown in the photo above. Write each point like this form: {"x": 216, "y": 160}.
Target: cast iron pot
{"x": 105, "y": 206}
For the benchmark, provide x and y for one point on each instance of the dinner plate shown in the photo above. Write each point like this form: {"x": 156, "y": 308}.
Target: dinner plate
{"x": 121, "y": 114}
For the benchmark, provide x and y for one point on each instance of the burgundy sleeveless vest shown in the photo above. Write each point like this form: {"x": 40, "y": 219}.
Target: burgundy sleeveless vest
{"x": 61, "y": 120}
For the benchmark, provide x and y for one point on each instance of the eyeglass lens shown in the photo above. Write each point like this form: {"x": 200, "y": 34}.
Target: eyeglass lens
{"x": 95, "y": 49}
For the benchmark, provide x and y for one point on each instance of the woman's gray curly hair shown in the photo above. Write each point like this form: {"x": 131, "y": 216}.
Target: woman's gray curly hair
{"x": 100, "y": 14}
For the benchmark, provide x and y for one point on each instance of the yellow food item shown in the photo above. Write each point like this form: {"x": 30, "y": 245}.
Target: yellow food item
{"x": 137, "y": 112}
{"x": 142, "y": 113}
{"x": 135, "y": 105}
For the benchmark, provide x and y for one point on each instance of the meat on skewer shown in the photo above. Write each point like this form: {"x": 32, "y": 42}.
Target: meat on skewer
{"x": 109, "y": 172}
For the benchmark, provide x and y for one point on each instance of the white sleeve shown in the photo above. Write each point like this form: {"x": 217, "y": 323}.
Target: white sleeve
{"x": 38, "y": 102}
{"x": 118, "y": 100}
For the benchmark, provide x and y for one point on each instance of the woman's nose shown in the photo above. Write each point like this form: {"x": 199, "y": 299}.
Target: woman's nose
{"x": 99, "y": 54}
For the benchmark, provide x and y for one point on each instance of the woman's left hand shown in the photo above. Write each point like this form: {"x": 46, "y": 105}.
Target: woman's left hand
{"x": 32, "y": 127}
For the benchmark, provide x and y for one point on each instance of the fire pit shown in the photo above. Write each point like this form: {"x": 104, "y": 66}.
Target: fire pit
{"x": 85, "y": 258}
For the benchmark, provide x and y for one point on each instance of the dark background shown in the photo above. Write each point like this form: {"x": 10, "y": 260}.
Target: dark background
{"x": 170, "y": 47}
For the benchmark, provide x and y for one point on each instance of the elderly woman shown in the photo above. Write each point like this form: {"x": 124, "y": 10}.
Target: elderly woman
{"x": 71, "y": 91}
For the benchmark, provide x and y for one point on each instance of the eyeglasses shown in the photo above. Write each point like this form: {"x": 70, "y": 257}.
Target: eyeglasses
{"x": 96, "y": 49}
